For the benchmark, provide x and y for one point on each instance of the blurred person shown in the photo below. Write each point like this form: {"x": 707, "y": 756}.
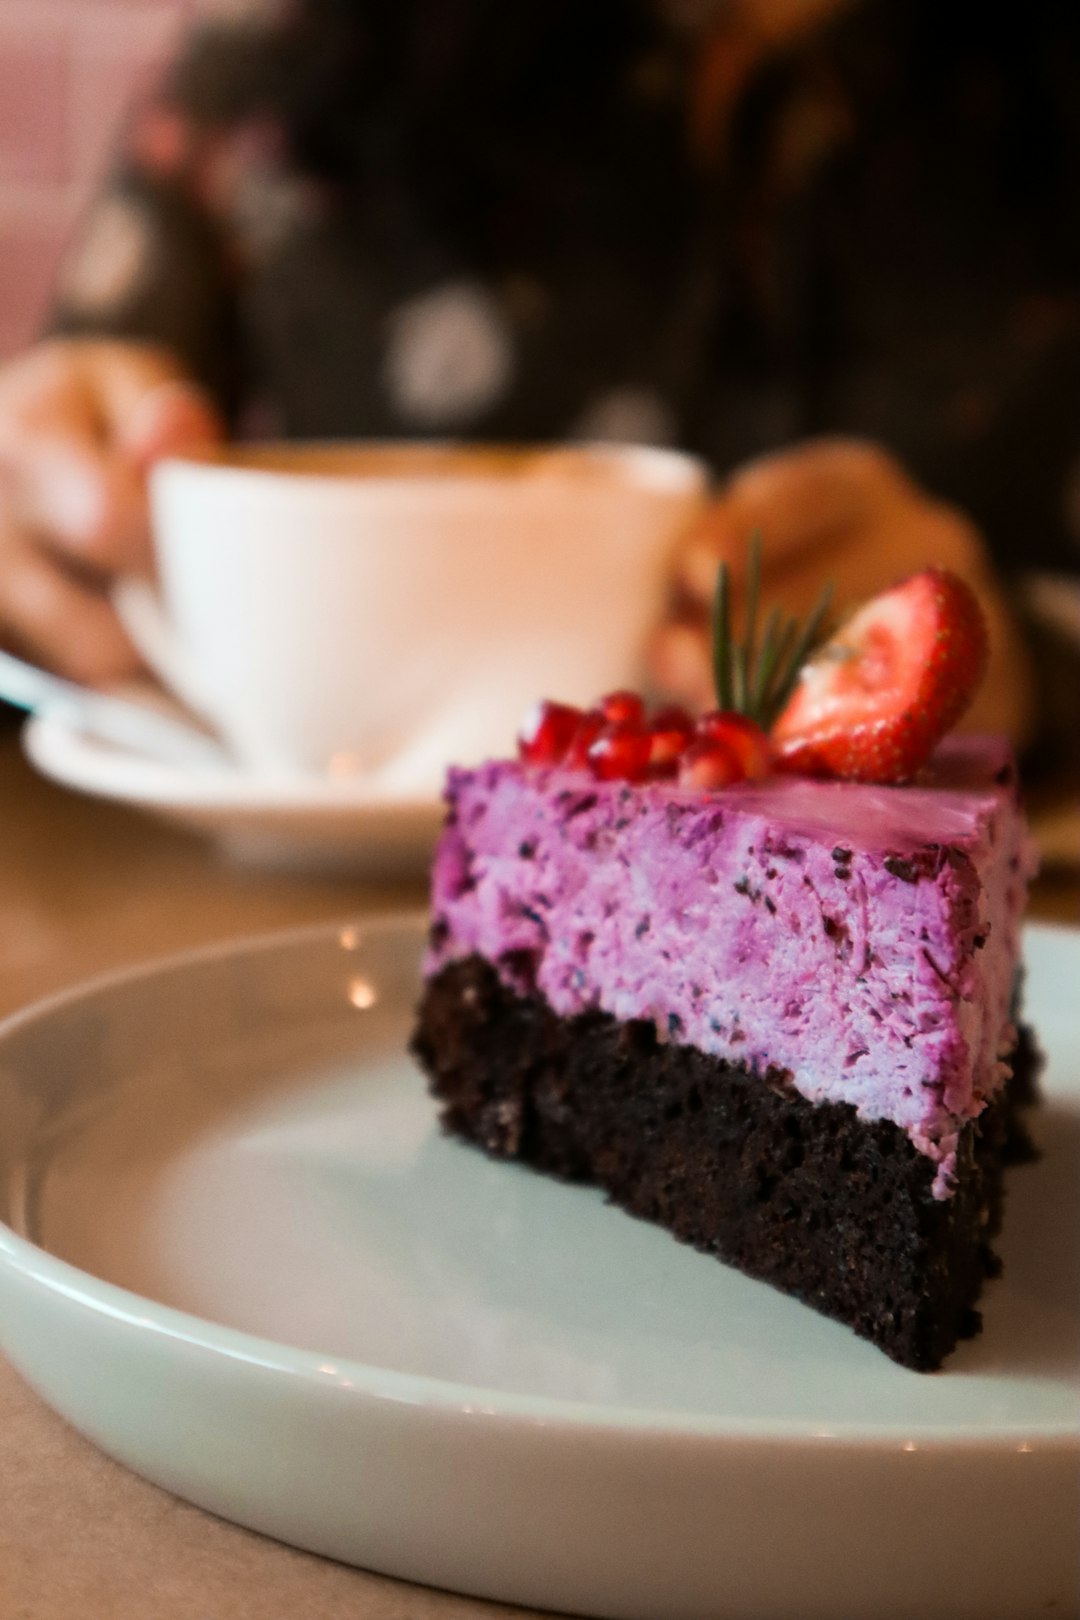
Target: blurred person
{"x": 730, "y": 225}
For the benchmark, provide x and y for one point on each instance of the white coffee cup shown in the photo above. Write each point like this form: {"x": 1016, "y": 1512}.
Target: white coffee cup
{"x": 384, "y": 608}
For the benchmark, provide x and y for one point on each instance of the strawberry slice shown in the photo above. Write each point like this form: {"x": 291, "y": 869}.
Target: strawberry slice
{"x": 871, "y": 704}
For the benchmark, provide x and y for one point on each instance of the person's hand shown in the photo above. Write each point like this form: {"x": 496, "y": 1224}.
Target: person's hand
{"x": 80, "y": 423}
{"x": 844, "y": 511}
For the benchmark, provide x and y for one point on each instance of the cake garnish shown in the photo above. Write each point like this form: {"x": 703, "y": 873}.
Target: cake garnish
{"x": 868, "y": 704}
{"x": 754, "y": 679}
{"x": 619, "y": 739}
{"x": 873, "y": 702}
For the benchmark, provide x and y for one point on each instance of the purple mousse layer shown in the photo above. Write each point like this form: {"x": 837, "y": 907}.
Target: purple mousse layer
{"x": 864, "y": 940}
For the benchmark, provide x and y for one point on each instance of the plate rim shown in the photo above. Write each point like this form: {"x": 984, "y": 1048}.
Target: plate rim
{"x": 423, "y": 1392}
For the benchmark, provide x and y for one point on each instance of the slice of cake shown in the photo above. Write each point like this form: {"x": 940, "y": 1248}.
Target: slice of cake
{"x": 777, "y": 1015}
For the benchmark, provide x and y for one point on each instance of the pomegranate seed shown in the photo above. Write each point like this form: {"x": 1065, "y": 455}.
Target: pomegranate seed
{"x": 547, "y": 733}
{"x": 673, "y": 717}
{"x": 670, "y": 730}
{"x": 588, "y": 728}
{"x": 743, "y": 737}
{"x": 709, "y": 763}
{"x": 619, "y": 752}
{"x": 665, "y": 750}
{"x": 622, "y": 709}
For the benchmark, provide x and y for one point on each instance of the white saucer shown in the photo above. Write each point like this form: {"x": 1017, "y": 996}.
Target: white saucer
{"x": 295, "y": 822}
{"x": 241, "y": 1257}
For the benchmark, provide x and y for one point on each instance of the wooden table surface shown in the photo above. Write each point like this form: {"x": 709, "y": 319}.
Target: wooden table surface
{"x": 86, "y": 887}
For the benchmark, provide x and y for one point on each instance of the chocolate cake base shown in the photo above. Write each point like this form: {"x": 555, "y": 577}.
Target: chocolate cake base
{"x": 805, "y": 1196}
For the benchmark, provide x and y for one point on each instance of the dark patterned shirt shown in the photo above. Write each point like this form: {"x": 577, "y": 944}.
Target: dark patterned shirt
{"x": 878, "y": 233}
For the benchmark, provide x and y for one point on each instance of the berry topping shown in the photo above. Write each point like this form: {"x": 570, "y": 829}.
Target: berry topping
{"x": 622, "y": 709}
{"x": 620, "y": 753}
{"x": 547, "y": 732}
{"x": 620, "y": 741}
{"x": 873, "y": 702}
{"x": 673, "y": 717}
{"x": 709, "y": 763}
{"x": 590, "y": 724}
{"x": 741, "y": 737}
{"x": 670, "y": 730}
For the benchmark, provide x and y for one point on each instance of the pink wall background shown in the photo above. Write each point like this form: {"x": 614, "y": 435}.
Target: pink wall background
{"x": 68, "y": 68}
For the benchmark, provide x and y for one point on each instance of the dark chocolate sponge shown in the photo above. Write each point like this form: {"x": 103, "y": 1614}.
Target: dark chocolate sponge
{"x": 803, "y": 1195}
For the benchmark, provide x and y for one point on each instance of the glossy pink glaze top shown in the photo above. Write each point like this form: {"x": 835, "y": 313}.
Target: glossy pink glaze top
{"x": 864, "y": 940}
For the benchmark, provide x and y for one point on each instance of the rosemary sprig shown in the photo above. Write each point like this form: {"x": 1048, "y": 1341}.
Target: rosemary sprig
{"x": 721, "y": 640}
{"x": 770, "y": 652}
{"x": 809, "y": 638}
{"x": 757, "y": 679}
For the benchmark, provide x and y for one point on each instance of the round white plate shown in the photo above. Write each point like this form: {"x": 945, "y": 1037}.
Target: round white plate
{"x": 241, "y": 1257}
{"x": 317, "y": 823}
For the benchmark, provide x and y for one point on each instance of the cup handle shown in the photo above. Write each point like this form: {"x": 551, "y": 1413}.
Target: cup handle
{"x": 139, "y": 610}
